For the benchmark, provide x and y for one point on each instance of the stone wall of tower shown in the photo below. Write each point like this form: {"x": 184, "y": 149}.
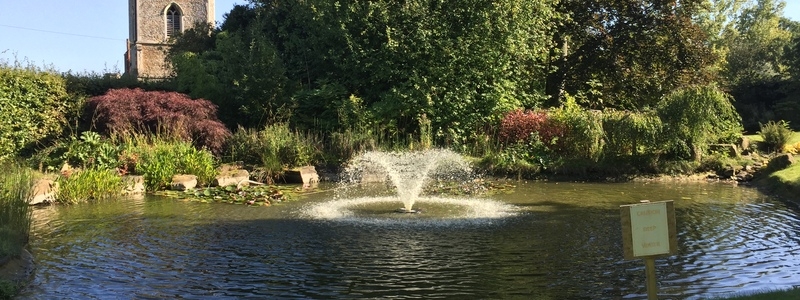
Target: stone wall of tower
{"x": 148, "y": 33}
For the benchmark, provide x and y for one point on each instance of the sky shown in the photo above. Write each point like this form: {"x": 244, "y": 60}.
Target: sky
{"x": 89, "y": 35}
{"x": 81, "y": 35}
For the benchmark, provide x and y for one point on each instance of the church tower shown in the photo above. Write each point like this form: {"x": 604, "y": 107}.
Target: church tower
{"x": 152, "y": 26}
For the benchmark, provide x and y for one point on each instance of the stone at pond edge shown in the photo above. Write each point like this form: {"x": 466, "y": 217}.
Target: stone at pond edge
{"x": 780, "y": 162}
{"x": 133, "y": 184}
{"x": 182, "y": 182}
{"x": 306, "y": 175}
{"x": 18, "y": 271}
{"x": 729, "y": 149}
{"x": 237, "y": 177}
{"x": 43, "y": 192}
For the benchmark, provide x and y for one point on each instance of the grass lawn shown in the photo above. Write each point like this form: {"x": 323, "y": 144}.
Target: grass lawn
{"x": 757, "y": 138}
{"x": 767, "y": 295}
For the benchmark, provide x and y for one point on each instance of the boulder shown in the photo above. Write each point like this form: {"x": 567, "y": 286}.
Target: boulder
{"x": 237, "y": 177}
{"x": 43, "y": 192}
{"x": 728, "y": 149}
{"x": 373, "y": 174}
{"x": 744, "y": 144}
{"x": 780, "y": 162}
{"x": 133, "y": 184}
{"x": 182, "y": 182}
{"x": 306, "y": 175}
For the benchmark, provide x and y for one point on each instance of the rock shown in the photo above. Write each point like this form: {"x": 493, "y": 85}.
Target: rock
{"x": 744, "y": 144}
{"x": 728, "y": 149}
{"x": 43, "y": 192}
{"x": 780, "y": 162}
{"x": 744, "y": 176}
{"x": 182, "y": 182}
{"x": 133, "y": 184}
{"x": 237, "y": 177}
{"x": 373, "y": 174}
{"x": 306, "y": 175}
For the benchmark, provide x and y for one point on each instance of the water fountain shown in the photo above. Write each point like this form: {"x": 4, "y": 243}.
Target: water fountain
{"x": 399, "y": 178}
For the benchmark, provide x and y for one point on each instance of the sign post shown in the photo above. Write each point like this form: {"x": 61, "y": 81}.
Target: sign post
{"x": 648, "y": 232}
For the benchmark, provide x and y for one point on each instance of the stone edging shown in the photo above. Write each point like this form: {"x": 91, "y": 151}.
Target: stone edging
{"x": 18, "y": 270}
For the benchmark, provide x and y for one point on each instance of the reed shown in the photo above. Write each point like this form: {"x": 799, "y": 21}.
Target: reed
{"x": 89, "y": 184}
{"x": 15, "y": 214}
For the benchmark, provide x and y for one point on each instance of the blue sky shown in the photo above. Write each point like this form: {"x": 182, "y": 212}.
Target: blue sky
{"x": 89, "y": 35}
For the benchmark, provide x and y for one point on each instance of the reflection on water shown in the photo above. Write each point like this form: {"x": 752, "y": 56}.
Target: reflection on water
{"x": 563, "y": 243}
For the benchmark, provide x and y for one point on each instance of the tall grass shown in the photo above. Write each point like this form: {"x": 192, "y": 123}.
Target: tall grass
{"x": 15, "y": 214}
{"x": 89, "y": 184}
{"x": 275, "y": 148}
{"x": 159, "y": 158}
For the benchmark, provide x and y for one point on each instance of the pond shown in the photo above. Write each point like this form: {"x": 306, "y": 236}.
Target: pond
{"x": 563, "y": 241}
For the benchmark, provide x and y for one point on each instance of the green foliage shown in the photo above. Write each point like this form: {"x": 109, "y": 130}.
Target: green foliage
{"x": 33, "y": 105}
{"x": 160, "y": 159}
{"x": 696, "y": 116}
{"x": 584, "y": 135}
{"x": 88, "y": 184}
{"x": 346, "y": 144}
{"x": 461, "y": 64}
{"x": 520, "y": 159}
{"x": 7, "y": 290}
{"x": 630, "y": 133}
{"x": 276, "y": 147}
{"x": 16, "y": 182}
{"x": 92, "y": 151}
{"x": 775, "y": 134}
{"x": 627, "y": 54}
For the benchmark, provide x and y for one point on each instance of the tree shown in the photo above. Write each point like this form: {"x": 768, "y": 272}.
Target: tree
{"x": 756, "y": 51}
{"x": 460, "y": 64}
{"x": 628, "y": 53}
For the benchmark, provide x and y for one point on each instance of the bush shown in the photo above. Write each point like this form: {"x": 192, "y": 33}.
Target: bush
{"x": 131, "y": 111}
{"x": 775, "y": 134}
{"x": 630, "y": 133}
{"x": 276, "y": 147}
{"x": 89, "y": 184}
{"x": 696, "y": 116}
{"x": 520, "y": 126}
{"x": 15, "y": 214}
{"x": 584, "y": 136}
{"x": 33, "y": 107}
{"x": 159, "y": 159}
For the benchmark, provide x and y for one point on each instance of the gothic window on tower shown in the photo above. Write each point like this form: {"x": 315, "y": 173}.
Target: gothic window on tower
{"x": 173, "y": 21}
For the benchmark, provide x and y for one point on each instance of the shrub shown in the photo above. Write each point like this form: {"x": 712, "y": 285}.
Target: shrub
{"x": 346, "y": 144}
{"x": 584, "y": 136}
{"x": 33, "y": 107}
{"x": 159, "y": 159}
{"x": 88, "y": 184}
{"x": 129, "y": 111}
{"x": 275, "y": 147}
{"x": 630, "y": 133}
{"x": 15, "y": 214}
{"x": 520, "y": 125}
{"x": 775, "y": 134}
{"x": 696, "y": 116}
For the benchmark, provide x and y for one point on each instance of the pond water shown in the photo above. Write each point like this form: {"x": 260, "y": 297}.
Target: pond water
{"x": 563, "y": 241}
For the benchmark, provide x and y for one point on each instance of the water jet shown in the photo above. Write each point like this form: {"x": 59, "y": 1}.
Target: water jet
{"x": 374, "y": 182}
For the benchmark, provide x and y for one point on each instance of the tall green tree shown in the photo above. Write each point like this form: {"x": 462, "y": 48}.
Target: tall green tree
{"x": 629, "y": 53}
{"x": 756, "y": 52}
{"x": 459, "y": 64}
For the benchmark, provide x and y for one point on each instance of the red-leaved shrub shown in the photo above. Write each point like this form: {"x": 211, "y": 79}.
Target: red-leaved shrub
{"x": 128, "y": 111}
{"x": 519, "y": 125}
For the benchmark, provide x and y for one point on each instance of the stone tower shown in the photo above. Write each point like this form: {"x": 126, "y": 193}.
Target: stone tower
{"x": 152, "y": 26}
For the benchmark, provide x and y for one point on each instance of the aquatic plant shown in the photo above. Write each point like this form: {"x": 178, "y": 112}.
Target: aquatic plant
{"x": 15, "y": 214}
{"x": 159, "y": 159}
{"x": 88, "y": 184}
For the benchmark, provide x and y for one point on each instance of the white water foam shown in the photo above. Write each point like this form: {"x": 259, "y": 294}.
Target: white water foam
{"x": 463, "y": 211}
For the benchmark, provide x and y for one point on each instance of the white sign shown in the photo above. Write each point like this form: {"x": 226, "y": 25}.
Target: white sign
{"x": 649, "y": 229}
